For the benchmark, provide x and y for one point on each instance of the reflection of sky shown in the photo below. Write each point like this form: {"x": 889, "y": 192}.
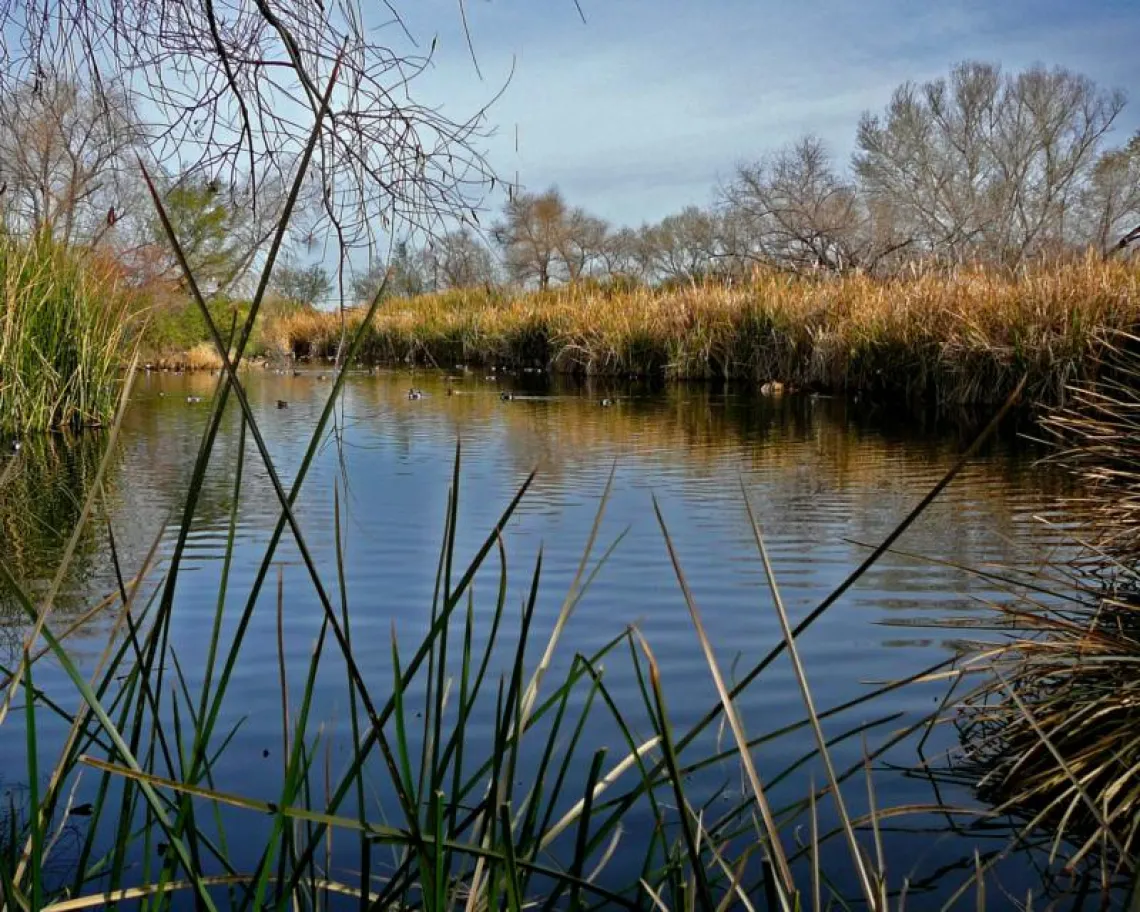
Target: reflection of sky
{"x": 640, "y": 110}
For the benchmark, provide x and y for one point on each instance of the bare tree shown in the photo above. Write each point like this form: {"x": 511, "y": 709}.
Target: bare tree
{"x": 985, "y": 165}
{"x": 458, "y": 259}
{"x": 794, "y": 210}
{"x": 63, "y": 154}
{"x": 532, "y": 234}
{"x": 622, "y": 256}
{"x": 407, "y": 273}
{"x": 583, "y": 242}
{"x": 1110, "y": 201}
{"x": 685, "y": 246}
{"x": 229, "y": 89}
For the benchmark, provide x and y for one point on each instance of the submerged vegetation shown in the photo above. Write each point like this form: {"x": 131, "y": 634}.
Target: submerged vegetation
{"x": 964, "y": 336}
{"x": 63, "y": 332}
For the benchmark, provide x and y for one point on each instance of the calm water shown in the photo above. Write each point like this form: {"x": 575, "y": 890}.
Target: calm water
{"x": 825, "y": 478}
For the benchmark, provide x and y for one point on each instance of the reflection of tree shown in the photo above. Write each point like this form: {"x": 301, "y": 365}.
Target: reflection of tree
{"x": 39, "y": 507}
{"x": 805, "y": 443}
{"x": 795, "y": 453}
{"x": 159, "y": 440}
{"x": 146, "y": 479}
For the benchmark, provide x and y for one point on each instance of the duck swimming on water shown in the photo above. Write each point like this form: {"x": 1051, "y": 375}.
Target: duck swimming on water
{"x": 606, "y": 403}
{"x": 505, "y": 396}
{"x": 193, "y": 399}
{"x": 414, "y": 394}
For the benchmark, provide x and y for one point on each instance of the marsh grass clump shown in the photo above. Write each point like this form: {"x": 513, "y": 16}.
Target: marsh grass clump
{"x": 63, "y": 328}
{"x": 952, "y": 337}
{"x": 1053, "y": 733}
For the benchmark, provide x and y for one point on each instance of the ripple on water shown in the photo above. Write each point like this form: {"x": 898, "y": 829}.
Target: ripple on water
{"x": 823, "y": 483}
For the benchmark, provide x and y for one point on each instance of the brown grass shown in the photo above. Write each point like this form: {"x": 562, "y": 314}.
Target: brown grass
{"x": 964, "y": 337}
{"x": 1054, "y": 735}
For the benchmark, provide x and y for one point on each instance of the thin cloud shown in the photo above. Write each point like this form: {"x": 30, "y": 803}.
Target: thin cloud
{"x": 639, "y": 111}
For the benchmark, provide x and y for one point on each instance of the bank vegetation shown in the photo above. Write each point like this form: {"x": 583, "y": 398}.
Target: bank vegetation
{"x": 951, "y": 336}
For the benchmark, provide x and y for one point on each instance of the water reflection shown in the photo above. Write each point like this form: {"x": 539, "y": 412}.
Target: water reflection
{"x": 40, "y": 505}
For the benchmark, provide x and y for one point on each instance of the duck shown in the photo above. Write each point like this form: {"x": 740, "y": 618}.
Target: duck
{"x": 414, "y": 394}
{"x": 193, "y": 399}
{"x": 772, "y": 388}
{"x": 296, "y": 373}
{"x": 606, "y": 403}
{"x": 505, "y": 396}
{"x": 281, "y": 403}
{"x": 16, "y": 444}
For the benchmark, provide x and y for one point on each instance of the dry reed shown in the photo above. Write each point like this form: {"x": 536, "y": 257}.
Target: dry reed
{"x": 1054, "y": 732}
{"x": 961, "y": 337}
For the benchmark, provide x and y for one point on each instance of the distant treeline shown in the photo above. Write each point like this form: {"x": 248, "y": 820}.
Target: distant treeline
{"x": 981, "y": 167}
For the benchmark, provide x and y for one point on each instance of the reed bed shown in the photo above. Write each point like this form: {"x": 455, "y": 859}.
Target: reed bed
{"x": 965, "y": 336}
{"x": 1053, "y": 733}
{"x": 63, "y": 332}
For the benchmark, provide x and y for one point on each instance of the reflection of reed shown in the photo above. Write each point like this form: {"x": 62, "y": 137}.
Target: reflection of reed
{"x": 698, "y": 429}
{"x": 40, "y": 505}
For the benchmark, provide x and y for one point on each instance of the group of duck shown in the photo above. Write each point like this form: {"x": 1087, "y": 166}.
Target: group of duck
{"x": 415, "y": 394}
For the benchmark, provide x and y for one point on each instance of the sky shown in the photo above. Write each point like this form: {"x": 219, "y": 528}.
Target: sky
{"x": 643, "y": 107}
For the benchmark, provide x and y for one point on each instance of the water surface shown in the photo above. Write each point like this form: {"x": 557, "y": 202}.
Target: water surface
{"x": 826, "y": 479}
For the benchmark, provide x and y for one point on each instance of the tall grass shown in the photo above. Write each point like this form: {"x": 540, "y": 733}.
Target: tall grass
{"x": 960, "y": 337}
{"x": 63, "y": 328}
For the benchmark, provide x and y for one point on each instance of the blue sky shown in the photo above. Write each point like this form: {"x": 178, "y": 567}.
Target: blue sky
{"x": 643, "y": 107}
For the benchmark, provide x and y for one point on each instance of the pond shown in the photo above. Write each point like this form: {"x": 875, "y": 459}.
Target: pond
{"x": 826, "y": 479}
